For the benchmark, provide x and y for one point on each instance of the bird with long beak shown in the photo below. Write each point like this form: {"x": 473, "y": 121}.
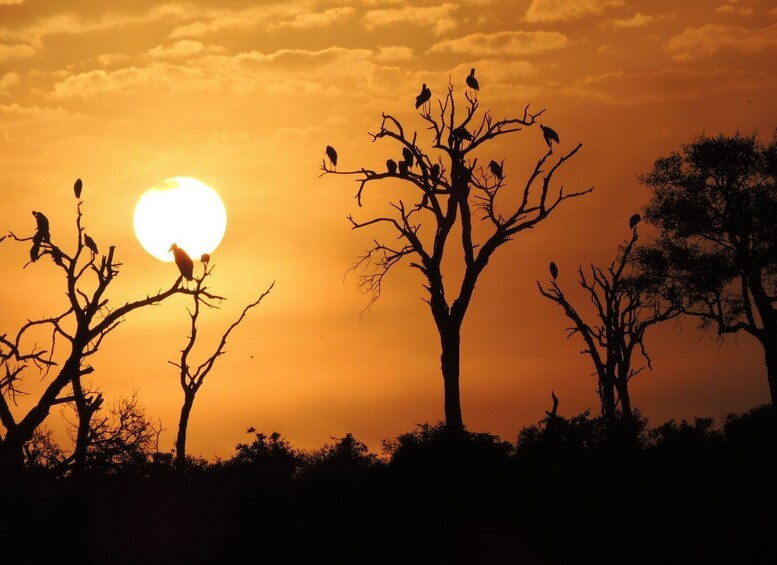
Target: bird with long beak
{"x": 183, "y": 261}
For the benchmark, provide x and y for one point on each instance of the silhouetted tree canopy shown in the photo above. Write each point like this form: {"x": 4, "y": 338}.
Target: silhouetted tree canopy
{"x": 714, "y": 204}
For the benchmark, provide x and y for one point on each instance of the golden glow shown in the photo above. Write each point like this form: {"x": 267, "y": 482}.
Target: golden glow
{"x": 180, "y": 210}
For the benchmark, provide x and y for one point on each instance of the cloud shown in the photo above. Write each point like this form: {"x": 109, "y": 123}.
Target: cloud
{"x": 73, "y": 24}
{"x": 129, "y": 81}
{"x": 439, "y": 18}
{"x": 637, "y": 20}
{"x": 11, "y": 2}
{"x": 182, "y": 49}
{"x": 244, "y": 20}
{"x": 503, "y": 43}
{"x": 695, "y": 43}
{"x": 667, "y": 85}
{"x": 541, "y": 11}
{"x": 310, "y": 20}
{"x": 7, "y": 81}
{"x": 18, "y": 51}
{"x": 393, "y": 53}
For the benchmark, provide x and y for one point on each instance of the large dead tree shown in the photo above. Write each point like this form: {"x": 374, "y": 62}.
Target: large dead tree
{"x": 449, "y": 189}
{"x": 623, "y": 312}
{"x": 85, "y": 321}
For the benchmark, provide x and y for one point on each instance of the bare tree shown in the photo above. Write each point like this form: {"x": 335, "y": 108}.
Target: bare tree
{"x": 83, "y": 324}
{"x": 449, "y": 188}
{"x": 622, "y": 316}
{"x": 192, "y": 378}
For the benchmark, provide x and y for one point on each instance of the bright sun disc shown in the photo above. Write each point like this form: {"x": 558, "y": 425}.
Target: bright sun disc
{"x": 180, "y": 210}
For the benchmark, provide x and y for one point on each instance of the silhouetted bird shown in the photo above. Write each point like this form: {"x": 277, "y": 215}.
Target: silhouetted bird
{"x": 205, "y": 258}
{"x": 549, "y": 135}
{"x": 77, "y": 188}
{"x": 462, "y": 133}
{"x": 35, "y": 249}
{"x": 553, "y": 270}
{"x": 496, "y": 169}
{"x": 56, "y": 255}
{"x": 332, "y": 154}
{"x": 472, "y": 82}
{"x": 403, "y": 168}
{"x": 89, "y": 242}
{"x": 408, "y": 156}
{"x": 391, "y": 165}
{"x": 634, "y": 220}
{"x": 183, "y": 261}
{"x": 42, "y": 225}
{"x": 423, "y": 97}
{"x": 435, "y": 171}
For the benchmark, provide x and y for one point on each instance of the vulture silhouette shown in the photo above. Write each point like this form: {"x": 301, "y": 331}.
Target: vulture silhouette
{"x": 472, "y": 82}
{"x": 408, "y": 156}
{"x": 89, "y": 242}
{"x": 553, "y": 270}
{"x": 205, "y": 258}
{"x": 183, "y": 261}
{"x": 391, "y": 165}
{"x": 423, "y": 97}
{"x": 549, "y": 135}
{"x": 332, "y": 154}
{"x": 496, "y": 169}
{"x": 462, "y": 133}
{"x": 42, "y": 225}
{"x": 403, "y": 168}
{"x": 634, "y": 220}
{"x": 35, "y": 249}
{"x": 77, "y": 188}
{"x": 435, "y": 171}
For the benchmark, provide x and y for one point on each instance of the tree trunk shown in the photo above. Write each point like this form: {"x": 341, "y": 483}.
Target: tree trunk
{"x": 11, "y": 459}
{"x": 451, "y": 344}
{"x": 770, "y": 351}
{"x": 180, "y": 441}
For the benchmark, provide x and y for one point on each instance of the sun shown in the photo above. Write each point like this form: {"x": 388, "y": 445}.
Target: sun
{"x": 180, "y": 210}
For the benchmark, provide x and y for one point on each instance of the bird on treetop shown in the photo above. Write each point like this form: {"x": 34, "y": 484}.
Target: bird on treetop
{"x": 42, "y": 225}
{"x": 435, "y": 171}
{"x": 496, "y": 169}
{"x": 183, "y": 261}
{"x": 332, "y": 154}
{"x": 391, "y": 165}
{"x": 549, "y": 134}
{"x": 77, "y": 188}
{"x": 423, "y": 97}
{"x": 553, "y": 270}
{"x": 89, "y": 242}
{"x": 634, "y": 220}
{"x": 472, "y": 82}
{"x": 205, "y": 258}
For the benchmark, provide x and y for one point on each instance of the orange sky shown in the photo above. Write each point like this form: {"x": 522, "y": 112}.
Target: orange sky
{"x": 245, "y": 95}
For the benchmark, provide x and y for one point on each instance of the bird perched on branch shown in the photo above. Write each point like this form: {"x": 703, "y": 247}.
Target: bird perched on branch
{"x": 634, "y": 220}
{"x": 462, "y": 133}
{"x": 403, "y": 168}
{"x": 183, "y": 261}
{"x": 42, "y": 225}
{"x": 496, "y": 169}
{"x": 472, "y": 82}
{"x": 89, "y": 242}
{"x": 77, "y": 188}
{"x": 391, "y": 165}
{"x": 423, "y": 97}
{"x": 35, "y": 249}
{"x": 435, "y": 172}
{"x": 205, "y": 258}
{"x": 408, "y": 156}
{"x": 549, "y": 134}
{"x": 553, "y": 270}
{"x": 332, "y": 154}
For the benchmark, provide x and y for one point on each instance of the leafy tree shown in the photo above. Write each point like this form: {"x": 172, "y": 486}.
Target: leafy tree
{"x": 446, "y": 190}
{"x": 623, "y": 312}
{"x": 714, "y": 205}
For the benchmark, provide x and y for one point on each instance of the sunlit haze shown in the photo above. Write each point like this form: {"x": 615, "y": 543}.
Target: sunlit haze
{"x": 245, "y": 96}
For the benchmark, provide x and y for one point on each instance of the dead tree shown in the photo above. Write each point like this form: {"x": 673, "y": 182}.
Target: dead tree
{"x": 192, "y": 378}
{"x": 449, "y": 189}
{"x": 83, "y": 324}
{"x": 622, "y": 315}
